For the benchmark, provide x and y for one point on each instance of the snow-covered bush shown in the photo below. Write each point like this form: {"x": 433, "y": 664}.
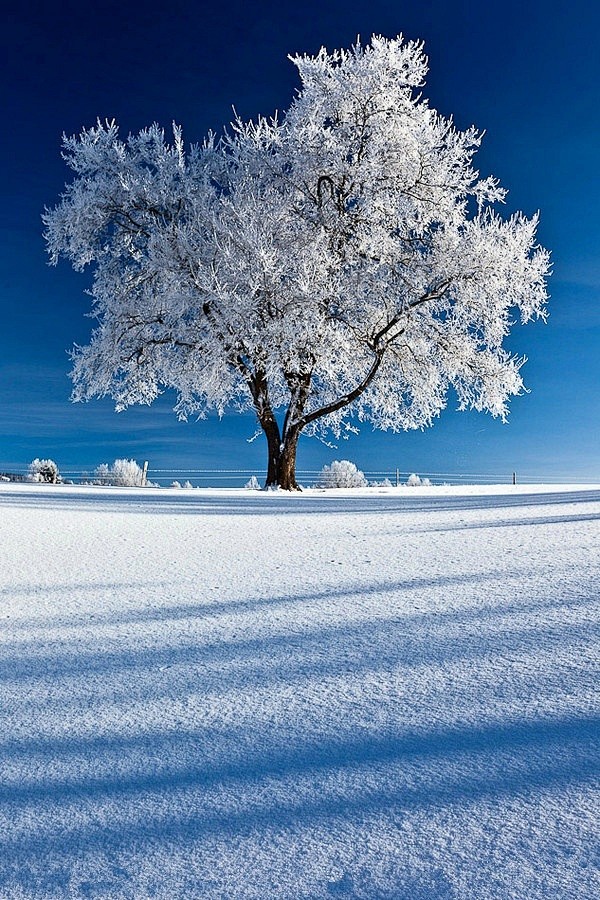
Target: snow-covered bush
{"x": 44, "y": 470}
{"x": 176, "y": 484}
{"x": 127, "y": 472}
{"x": 187, "y": 485}
{"x": 4, "y": 478}
{"x": 122, "y": 473}
{"x": 102, "y": 474}
{"x": 252, "y": 484}
{"x": 415, "y": 481}
{"x": 341, "y": 474}
{"x": 385, "y": 483}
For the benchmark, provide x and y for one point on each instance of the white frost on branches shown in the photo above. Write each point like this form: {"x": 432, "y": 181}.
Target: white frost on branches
{"x": 341, "y": 474}
{"x": 44, "y": 470}
{"x": 344, "y": 261}
{"x": 414, "y": 480}
{"x": 122, "y": 473}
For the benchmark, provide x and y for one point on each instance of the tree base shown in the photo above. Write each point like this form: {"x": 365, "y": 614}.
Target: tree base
{"x": 286, "y": 486}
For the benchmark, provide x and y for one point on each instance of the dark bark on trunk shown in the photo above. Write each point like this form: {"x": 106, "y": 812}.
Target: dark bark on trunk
{"x": 281, "y": 470}
{"x": 281, "y": 465}
{"x": 273, "y": 437}
{"x": 287, "y": 463}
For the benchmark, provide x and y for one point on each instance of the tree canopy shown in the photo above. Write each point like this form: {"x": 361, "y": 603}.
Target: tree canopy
{"x": 342, "y": 263}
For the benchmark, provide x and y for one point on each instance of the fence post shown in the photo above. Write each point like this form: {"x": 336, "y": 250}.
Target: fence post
{"x": 397, "y": 478}
{"x": 145, "y": 474}
{"x": 514, "y": 478}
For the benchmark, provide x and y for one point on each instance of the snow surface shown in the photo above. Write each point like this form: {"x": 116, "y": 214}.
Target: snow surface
{"x": 228, "y": 694}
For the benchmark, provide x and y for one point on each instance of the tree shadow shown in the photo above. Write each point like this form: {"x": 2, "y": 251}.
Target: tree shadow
{"x": 375, "y": 644}
{"x": 284, "y": 785}
{"x": 180, "y": 786}
{"x": 515, "y": 523}
{"x": 71, "y": 789}
{"x": 153, "y": 612}
{"x": 268, "y": 503}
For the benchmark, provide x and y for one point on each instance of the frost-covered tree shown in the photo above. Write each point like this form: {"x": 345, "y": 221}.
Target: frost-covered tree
{"x": 122, "y": 473}
{"x": 102, "y": 474}
{"x": 45, "y": 470}
{"x": 343, "y": 263}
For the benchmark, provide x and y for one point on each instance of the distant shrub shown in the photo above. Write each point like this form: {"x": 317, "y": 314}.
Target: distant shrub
{"x": 176, "y": 484}
{"x": 15, "y": 476}
{"x": 102, "y": 474}
{"x": 44, "y": 470}
{"x": 414, "y": 481}
{"x": 341, "y": 474}
{"x": 253, "y": 484}
{"x": 127, "y": 472}
{"x": 122, "y": 473}
{"x": 385, "y": 483}
{"x": 187, "y": 485}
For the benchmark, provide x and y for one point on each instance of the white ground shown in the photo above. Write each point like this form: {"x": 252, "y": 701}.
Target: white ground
{"x": 236, "y": 695}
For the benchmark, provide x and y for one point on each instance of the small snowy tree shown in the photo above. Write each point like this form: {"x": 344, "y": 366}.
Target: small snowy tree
{"x": 122, "y": 473}
{"x": 127, "y": 473}
{"x": 44, "y": 470}
{"x": 102, "y": 474}
{"x": 343, "y": 263}
{"x": 341, "y": 474}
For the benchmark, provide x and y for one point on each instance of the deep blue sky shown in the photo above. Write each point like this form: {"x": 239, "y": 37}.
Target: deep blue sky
{"x": 526, "y": 72}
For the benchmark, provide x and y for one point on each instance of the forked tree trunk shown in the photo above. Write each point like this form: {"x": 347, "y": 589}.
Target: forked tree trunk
{"x": 286, "y": 475}
{"x": 281, "y": 468}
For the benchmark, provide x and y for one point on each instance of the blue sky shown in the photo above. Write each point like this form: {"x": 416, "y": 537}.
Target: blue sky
{"x": 528, "y": 73}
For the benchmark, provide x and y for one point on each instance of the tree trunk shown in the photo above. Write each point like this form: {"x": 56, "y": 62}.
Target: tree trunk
{"x": 281, "y": 466}
{"x": 287, "y": 463}
{"x": 271, "y": 430}
{"x": 281, "y": 469}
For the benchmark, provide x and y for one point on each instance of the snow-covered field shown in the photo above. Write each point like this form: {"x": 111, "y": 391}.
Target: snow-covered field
{"x": 379, "y": 694}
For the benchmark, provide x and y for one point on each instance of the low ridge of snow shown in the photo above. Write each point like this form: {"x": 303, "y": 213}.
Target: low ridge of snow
{"x": 381, "y": 693}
